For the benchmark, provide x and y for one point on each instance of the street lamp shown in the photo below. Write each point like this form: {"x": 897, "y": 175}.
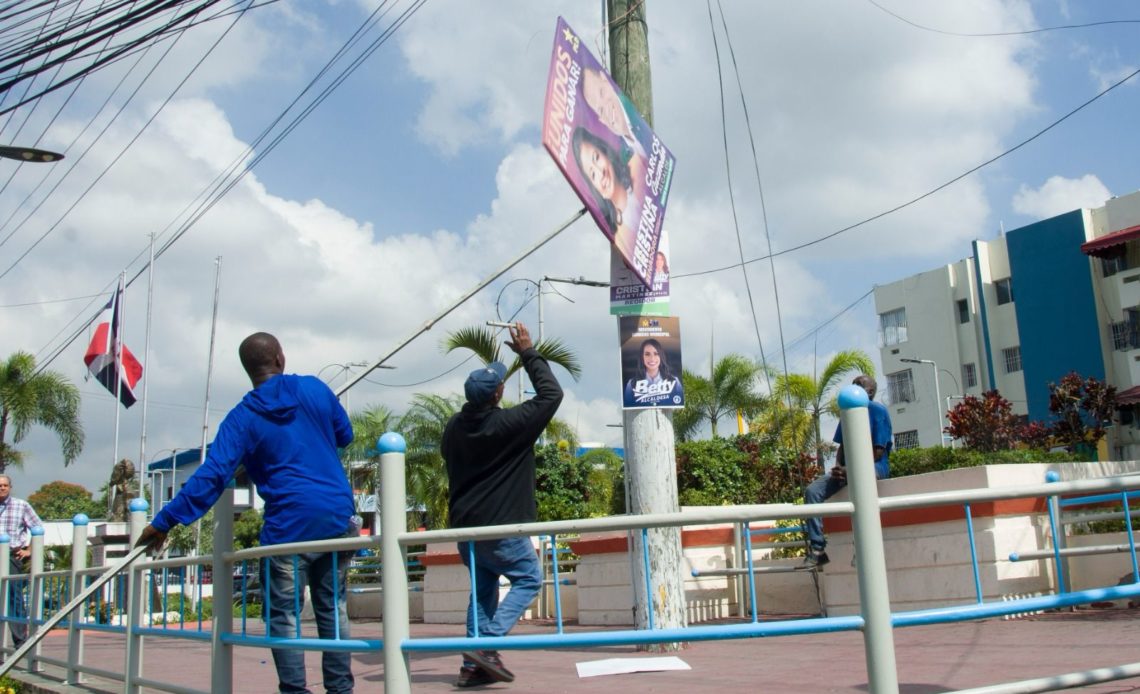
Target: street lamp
{"x": 564, "y": 280}
{"x": 937, "y": 395}
{"x": 29, "y": 154}
{"x": 343, "y": 371}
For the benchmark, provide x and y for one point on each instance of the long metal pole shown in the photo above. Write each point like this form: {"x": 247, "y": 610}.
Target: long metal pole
{"x": 874, "y": 600}
{"x": 462, "y": 300}
{"x": 116, "y": 328}
{"x": 393, "y": 566}
{"x": 938, "y": 404}
{"x": 146, "y": 363}
{"x": 206, "y": 416}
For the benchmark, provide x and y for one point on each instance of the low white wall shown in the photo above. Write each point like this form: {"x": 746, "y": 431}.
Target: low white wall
{"x": 928, "y": 561}
{"x": 928, "y": 565}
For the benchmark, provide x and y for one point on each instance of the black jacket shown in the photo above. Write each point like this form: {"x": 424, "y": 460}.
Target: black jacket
{"x": 490, "y": 453}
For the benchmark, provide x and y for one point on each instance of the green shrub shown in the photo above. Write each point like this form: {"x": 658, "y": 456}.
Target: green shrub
{"x": 916, "y": 461}
{"x": 740, "y": 470}
{"x": 10, "y": 686}
{"x": 562, "y": 484}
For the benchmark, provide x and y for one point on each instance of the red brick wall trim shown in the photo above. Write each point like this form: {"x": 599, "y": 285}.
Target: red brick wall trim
{"x": 939, "y": 514}
{"x": 693, "y": 537}
{"x": 440, "y": 558}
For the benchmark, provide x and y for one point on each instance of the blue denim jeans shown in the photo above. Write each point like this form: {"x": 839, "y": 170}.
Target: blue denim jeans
{"x": 514, "y": 558}
{"x": 17, "y": 605}
{"x": 288, "y": 574}
{"x": 823, "y": 488}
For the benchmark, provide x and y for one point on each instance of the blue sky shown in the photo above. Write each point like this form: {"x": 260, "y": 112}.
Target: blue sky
{"x": 423, "y": 172}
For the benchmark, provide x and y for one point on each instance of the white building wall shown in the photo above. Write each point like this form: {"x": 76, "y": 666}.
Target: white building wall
{"x": 936, "y": 333}
{"x": 928, "y": 299}
{"x": 1115, "y": 294}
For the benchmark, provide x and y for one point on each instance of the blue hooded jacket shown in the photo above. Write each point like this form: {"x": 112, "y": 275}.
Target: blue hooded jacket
{"x": 286, "y": 433}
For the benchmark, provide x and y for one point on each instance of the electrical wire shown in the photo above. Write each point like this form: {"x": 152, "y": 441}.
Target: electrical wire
{"x": 732, "y": 199}
{"x": 923, "y": 196}
{"x": 1024, "y": 32}
{"x": 222, "y": 188}
{"x": 129, "y": 144}
{"x": 763, "y": 203}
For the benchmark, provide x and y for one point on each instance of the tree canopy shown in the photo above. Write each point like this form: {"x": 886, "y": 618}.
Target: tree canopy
{"x": 27, "y": 399}
{"x": 63, "y": 500}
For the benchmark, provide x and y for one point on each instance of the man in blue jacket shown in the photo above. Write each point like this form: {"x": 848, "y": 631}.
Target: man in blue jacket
{"x": 825, "y": 486}
{"x": 491, "y": 477}
{"x": 285, "y": 432}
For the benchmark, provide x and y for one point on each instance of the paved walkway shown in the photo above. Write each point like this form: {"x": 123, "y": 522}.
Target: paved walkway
{"x": 930, "y": 659}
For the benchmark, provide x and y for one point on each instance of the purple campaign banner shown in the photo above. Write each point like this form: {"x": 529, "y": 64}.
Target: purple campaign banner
{"x": 612, "y": 158}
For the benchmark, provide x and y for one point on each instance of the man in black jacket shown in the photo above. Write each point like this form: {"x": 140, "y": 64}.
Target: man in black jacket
{"x": 490, "y": 469}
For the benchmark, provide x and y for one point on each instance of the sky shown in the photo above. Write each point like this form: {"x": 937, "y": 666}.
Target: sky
{"x": 421, "y": 173}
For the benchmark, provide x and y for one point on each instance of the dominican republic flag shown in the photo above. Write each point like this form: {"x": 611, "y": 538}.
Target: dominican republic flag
{"x": 107, "y": 353}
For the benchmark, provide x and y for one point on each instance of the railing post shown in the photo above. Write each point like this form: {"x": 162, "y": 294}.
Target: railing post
{"x": 35, "y": 608}
{"x": 874, "y": 600}
{"x": 393, "y": 567}
{"x": 78, "y": 564}
{"x": 1058, "y": 533}
{"x": 5, "y": 563}
{"x": 222, "y": 665}
{"x": 136, "y": 590}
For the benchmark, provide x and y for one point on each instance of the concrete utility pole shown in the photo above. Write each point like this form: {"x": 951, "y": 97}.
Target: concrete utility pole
{"x": 649, "y": 454}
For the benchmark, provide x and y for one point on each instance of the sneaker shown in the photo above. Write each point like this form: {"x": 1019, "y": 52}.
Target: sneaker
{"x": 816, "y": 557}
{"x": 473, "y": 676}
{"x": 492, "y": 663}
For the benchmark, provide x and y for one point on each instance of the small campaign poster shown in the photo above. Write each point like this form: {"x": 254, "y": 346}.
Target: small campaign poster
{"x": 612, "y": 158}
{"x": 628, "y": 296}
{"x": 650, "y": 362}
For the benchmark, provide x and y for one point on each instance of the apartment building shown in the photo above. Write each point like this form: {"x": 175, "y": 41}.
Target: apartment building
{"x": 1022, "y": 311}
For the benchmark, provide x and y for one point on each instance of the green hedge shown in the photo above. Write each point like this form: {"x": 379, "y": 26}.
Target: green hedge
{"x": 745, "y": 470}
{"x": 916, "y": 461}
{"x": 740, "y": 470}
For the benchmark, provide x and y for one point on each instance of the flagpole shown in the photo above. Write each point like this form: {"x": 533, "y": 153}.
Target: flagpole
{"x": 206, "y": 407}
{"x": 146, "y": 363}
{"x": 117, "y": 345}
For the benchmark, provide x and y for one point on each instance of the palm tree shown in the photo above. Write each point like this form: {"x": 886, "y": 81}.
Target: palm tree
{"x": 360, "y": 458}
{"x": 731, "y": 387}
{"x": 46, "y": 399}
{"x": 785, "y": 421}
{"x": 818, "y": 393}
{"x": 485, "y": 343}
{"x": 423, "y": 426}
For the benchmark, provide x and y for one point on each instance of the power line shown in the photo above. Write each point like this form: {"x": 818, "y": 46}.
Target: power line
{"x": 925, "y": 195}
{"x": 1023, "y": 32}
{"x": 226, "y": 181}
{"x": 732, "y": 198}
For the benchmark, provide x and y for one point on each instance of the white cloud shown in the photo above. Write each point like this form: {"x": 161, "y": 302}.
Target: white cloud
{"x": 853, "y": 113}
{"x": 1059, "y": 194}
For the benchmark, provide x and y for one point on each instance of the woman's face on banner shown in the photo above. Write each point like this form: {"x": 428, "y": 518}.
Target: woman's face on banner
{"x": 604, "y": 101}
{"x": 651, "y": 359}
{"x": 596, "y": 167}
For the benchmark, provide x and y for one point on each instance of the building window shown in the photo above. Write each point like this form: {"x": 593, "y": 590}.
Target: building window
{"x": 969, "y": 376}
{"x": 1004, "y": 291}
{"x": 1111, "y": 266}
{"x": 906, "y": 439}
{"x": 963, "y": 311}
{"x": 1012, "y": 358}
{"x": 900, "y": 386}
{"x": 892, "y": 327}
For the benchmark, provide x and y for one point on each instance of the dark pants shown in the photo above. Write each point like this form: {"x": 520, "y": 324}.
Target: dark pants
{"x": 283, "y": 588}
{"x": 17, "y": 600}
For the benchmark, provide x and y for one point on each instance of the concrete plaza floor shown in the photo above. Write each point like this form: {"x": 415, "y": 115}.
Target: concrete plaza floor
{"x": 930, "y": 659}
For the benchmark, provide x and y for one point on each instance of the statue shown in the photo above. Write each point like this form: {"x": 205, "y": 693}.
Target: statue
{"x": 121, "y": 490}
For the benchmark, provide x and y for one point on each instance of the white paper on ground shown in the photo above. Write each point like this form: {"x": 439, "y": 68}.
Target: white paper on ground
{"x": 622, "y": 666}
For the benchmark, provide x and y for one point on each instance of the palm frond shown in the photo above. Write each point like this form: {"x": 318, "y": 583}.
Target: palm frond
{"x": 480, "y": 340}
{"x": 556, "y": 352}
